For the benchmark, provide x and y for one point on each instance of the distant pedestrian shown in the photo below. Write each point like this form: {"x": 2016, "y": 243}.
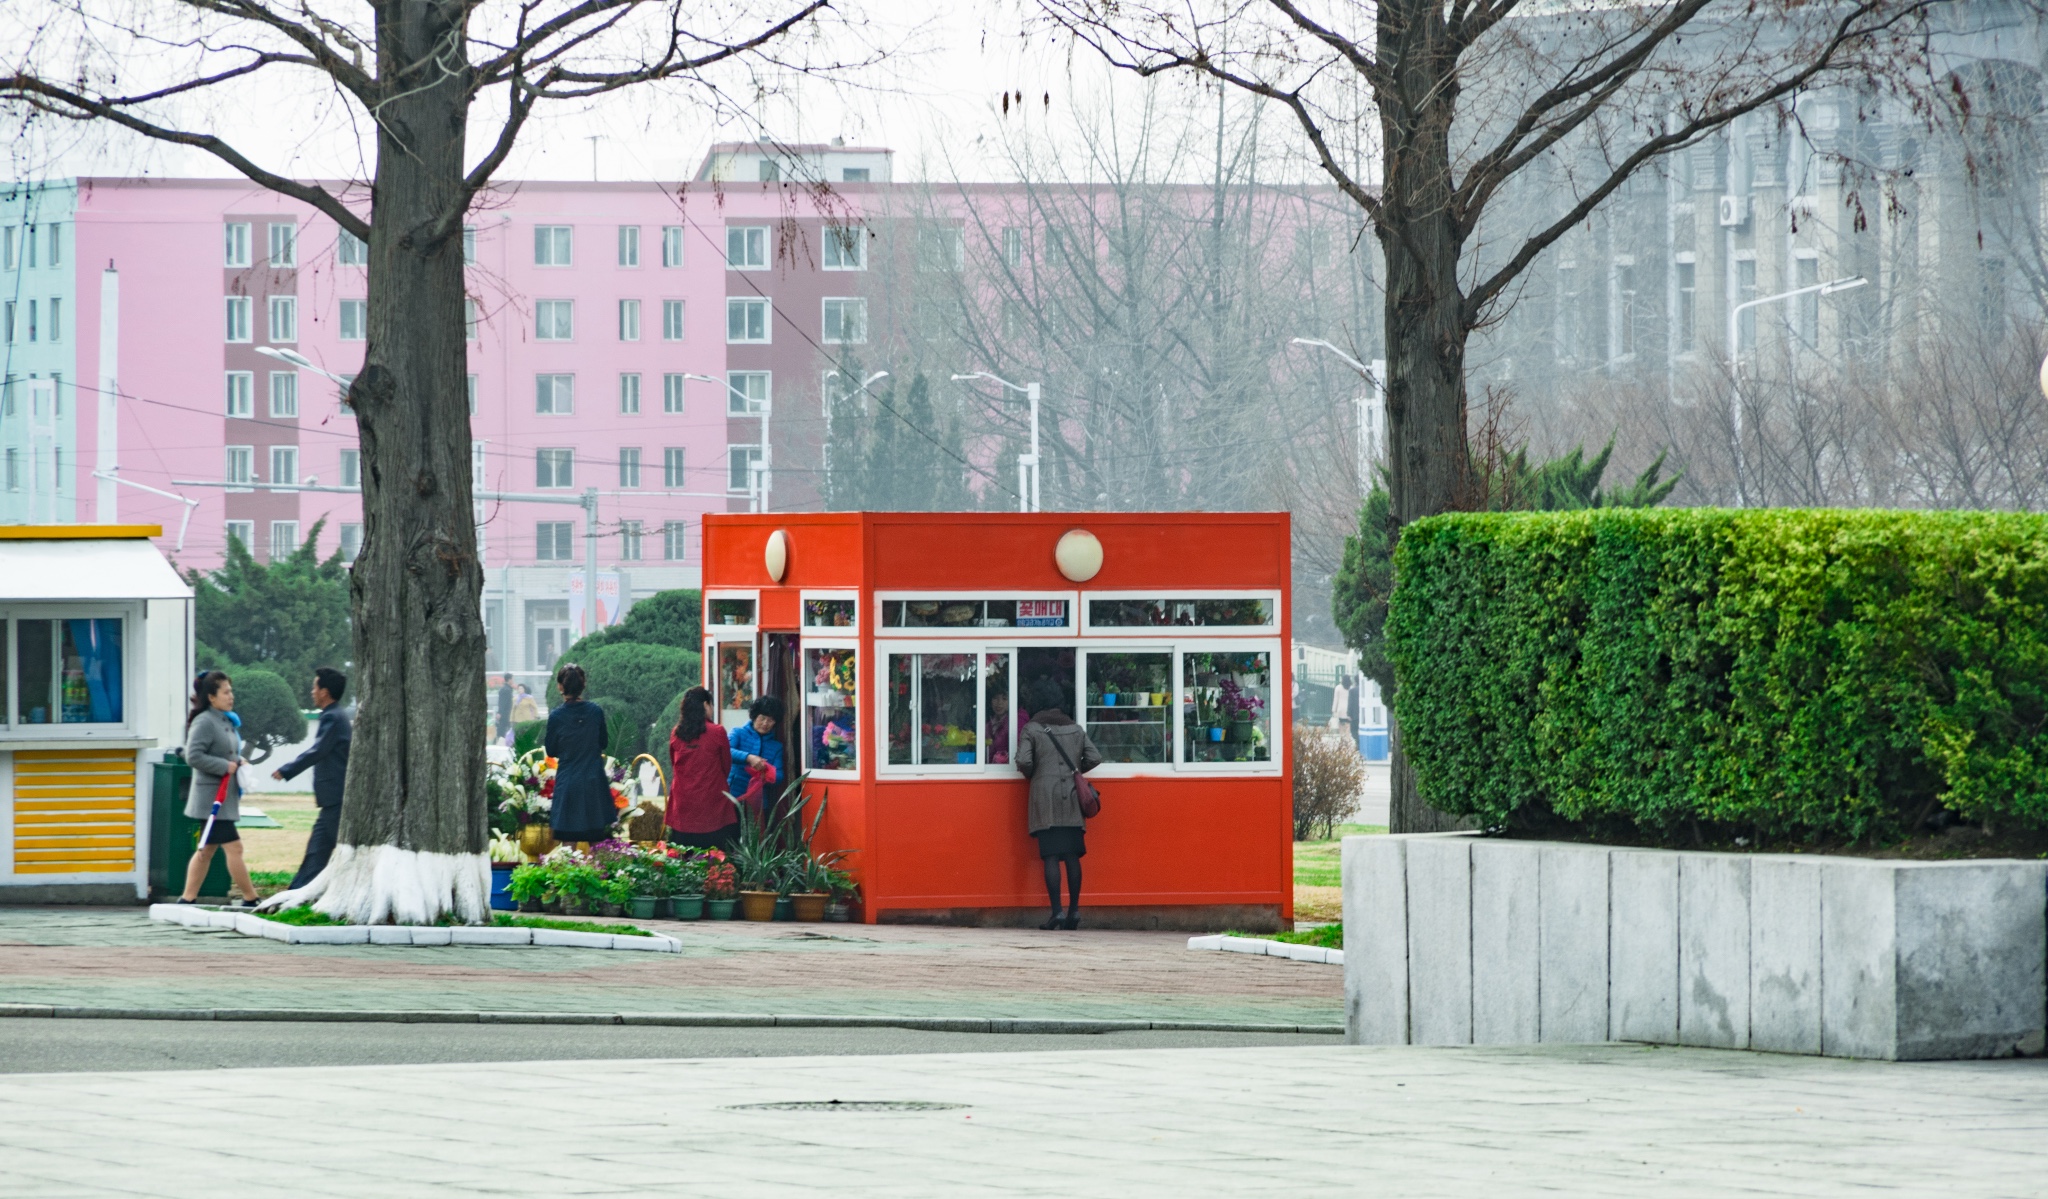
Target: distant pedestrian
{"x": 213, "y": 748}
{"x": 328, "y": 759}
{"x": 1052, "y": 750}
{"x": 1343, "y": 708}
{"x": 524, "y": 709}
{"x": 505, "y": 697}
{"x": 583, "y": 808}
{"x": 700, "y": 755}
{"x": 755, "y": 744}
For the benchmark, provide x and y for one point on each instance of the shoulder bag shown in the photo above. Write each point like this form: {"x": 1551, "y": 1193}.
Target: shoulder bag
{"x": 1084, "y": 791}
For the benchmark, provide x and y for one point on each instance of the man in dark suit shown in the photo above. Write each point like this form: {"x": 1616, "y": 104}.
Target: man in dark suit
{"x": 328, "y": 758}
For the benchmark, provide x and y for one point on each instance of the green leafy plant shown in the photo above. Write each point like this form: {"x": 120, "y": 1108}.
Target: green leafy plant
{"x": 576, "y": 879}
{"x": 528, "y": 882}
{"x": 527, "y": 737}
{"x": 288, "y": 617}
{"x": 619, "y": 889}
{"x": 303, "y": 916}
{"x": 1831, "y": 673}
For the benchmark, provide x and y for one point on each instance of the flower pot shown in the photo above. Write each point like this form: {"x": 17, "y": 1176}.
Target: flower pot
{"x": 575, "y": 907}
{"x": 529, "y": 905}
{"x": 1240, "y": 730}
{"x": 808, "y": 907}
{"x": 782, "y": 908}
{"x": 607, "y": 908}
{"x": 838, "y": 913}
{"x": 536, "y": 840}
{"x": 758, "y": 905}
{"x": 719, "y": 909}
{"x": 552, "y": 906}
{"x": 501, "y": 889}
{"x": 1216, "y": 732}
{"x": 643, "y": 907}
{"x": 687, "y": 907}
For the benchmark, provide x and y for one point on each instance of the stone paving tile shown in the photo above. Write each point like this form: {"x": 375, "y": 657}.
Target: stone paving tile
{"x": 1392, "y": 1122}
{"x": 119, "y": 958}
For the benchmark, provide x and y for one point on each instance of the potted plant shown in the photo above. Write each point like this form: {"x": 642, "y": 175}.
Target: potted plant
{"x": 529, "y": 882}
{"x": 845, "y": 892}
{"x": 721, "y": 885}
{"x": 616, "y": 896}
{"x": 811, "y": 889}
{"x": 579, "y": 885}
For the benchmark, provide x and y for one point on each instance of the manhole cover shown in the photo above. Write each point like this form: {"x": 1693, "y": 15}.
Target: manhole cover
{"x": 847, "y": 1105}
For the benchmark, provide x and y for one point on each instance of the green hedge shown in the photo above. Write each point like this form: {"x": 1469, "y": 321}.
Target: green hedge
{"x": 1832, "y": 673}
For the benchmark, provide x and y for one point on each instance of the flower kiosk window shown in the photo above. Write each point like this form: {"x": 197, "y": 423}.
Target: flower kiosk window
{"x": 95, "y": 645}
{"x": 921, "y": 636}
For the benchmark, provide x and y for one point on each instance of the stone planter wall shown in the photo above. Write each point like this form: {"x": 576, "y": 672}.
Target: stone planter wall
{"x": 1454, "y": 939}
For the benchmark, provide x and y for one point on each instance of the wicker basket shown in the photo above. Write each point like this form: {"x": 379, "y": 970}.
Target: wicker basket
{"x": 646, "y": 822}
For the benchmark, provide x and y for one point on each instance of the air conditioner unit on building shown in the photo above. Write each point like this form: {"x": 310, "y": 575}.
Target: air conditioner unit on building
{"x": 1734, "y": 211}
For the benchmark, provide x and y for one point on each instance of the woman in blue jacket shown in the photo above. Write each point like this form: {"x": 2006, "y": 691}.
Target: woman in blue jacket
{"x": 755, "y": 742}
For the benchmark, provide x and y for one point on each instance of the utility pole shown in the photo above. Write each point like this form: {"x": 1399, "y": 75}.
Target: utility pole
{"x": 1735, "y": 364}
{"x": 106, "y": 507}
{"x": 1027, "y": 464}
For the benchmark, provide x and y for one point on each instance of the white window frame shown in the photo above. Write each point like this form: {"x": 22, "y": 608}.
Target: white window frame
{"x": 228, "y": 474}
{"x": 1277, "y": 703}
{"x": 629, "y": 466}
{"x": 675, "y": 540}
{"x": 749, "y": 244}
{"x": 840, "y": 241}
{"x": 284, "y": 395}
{"x": 286, "y": 456}
{"x": 629, "y": 246}
{"x": 1203, "y": 632}
{"x": 553, "y": 524}
{"x": 838, "y": 639}
{"x": 716, "y": 635}
{"x": 742, "y": 403}
{"x": 353, "y": 321}
{"x": 350, "y": 541}
{"x": 277, "y": 526}
{"x": 557, "y": 458}
{"x": 672, "y": 327}
{"x": 672, "y": 392}
{"x": 283, "y": 244}
{"x": 555, "y": 405}
{"x": 240, "y": 316}
{"x": 675, "y": 472}
{"x": 554, "y": 245}
{"x": 859, "y": 305}
{"x": 629, "y": 393}
{"x": 281, "y": 319}
{"x": 134, "y": 659}
{"x": 629, "y": 320}
{"x": 468, "y": 244}
{"x": 748, "y": 487}
{"x": 671, "y": 245}
{"x": 471, "y": 319}
{"x": 351, "y": 468}
{"x": 350, "y": 250}
{"x": 830, "y": 630}
{"x": 240, "y": 397}
{"x": 235, "y": 238}
{"x": 979, "y": 649}
{"x": 1004, "y": 635}
{"x": 235, "y": 529}
{"x": 549, "y": 323}
{"x": 749, "y": 304}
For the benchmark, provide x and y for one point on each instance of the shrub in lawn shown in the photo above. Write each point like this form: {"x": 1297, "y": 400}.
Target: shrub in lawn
{"x": 1328, "y": 775}
{"x": 1827, "y": 673}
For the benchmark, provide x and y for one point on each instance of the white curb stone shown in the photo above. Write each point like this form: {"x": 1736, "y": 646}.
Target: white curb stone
{"x": 390, "y": 934}
{"x": 492, "y": 936}
{"x": 331, "y": 935}
{"x": 1276, "y": 949}
{"x": 431, "y": 936}
{"x": 556, "y": 936}
{"x": 655, "y": 944}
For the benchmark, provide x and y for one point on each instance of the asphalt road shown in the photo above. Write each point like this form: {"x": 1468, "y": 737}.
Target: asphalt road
{"x": 36, "y": 1046}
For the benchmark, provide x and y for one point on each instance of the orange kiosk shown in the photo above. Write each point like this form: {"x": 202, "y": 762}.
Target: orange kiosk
{"x": 899, "y": 641}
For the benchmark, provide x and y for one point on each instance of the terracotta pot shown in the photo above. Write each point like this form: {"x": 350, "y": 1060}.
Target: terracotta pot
{"x": 757, "y": 905}
{"x": 808, "y": 906}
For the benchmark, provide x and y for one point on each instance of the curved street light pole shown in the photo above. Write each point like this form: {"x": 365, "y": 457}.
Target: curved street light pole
{"x": 1375, "y": 377}
{"x": 1027, "y": 464}
{"x": 1735, "y": 365}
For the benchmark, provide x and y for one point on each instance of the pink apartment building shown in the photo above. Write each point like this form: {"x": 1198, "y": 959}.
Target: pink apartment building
{"x": 628, "y": 339}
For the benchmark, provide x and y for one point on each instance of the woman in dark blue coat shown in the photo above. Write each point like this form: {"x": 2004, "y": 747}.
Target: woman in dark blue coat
{"x": 583, "y": 808}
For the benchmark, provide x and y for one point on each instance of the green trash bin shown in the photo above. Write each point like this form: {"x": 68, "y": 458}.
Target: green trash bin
{"x": 173, "y": 836}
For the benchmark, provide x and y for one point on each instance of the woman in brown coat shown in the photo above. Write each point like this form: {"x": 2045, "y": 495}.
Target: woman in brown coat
{"x": 1052, "y": 750}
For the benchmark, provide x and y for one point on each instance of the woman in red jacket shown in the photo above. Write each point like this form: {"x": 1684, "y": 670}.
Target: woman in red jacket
{"x": 699, "y": 814}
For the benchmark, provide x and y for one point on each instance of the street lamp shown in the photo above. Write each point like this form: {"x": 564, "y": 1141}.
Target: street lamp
{"x": 1735, "y": 365}
{"x": 294, "y": 358}
{"x": 1376, "y": 378}
{"x": 759, "y": 476}
{"x": 870, "y": 381}
{"x": 1027, "y": 464}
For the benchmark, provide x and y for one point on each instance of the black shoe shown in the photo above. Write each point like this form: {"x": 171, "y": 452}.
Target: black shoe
{"x": 1052, "y": 921}
{"x": 1072, "y": 922}
{"x": 244, "y": 903}
{"x": 188, "y": 901}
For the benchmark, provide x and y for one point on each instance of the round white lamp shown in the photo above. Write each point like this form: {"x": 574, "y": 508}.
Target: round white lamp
{"x": 1078, "y": 555}
{"x": 2044, "y": 376}
{"x": 777, "y": 555}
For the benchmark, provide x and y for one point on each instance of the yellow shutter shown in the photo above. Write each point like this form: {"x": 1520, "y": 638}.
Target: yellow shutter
{"x": 74, "y": 811}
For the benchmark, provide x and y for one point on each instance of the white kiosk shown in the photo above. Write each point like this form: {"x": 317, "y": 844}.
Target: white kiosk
{"x": 96, "y": 651}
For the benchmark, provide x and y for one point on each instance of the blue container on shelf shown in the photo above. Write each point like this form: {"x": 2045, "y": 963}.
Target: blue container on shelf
{"x": 1109, "y": 700}
{"x": 1215, "y": 732}
{"x": 501, "y": 892}
{"x": 963, "y": 757}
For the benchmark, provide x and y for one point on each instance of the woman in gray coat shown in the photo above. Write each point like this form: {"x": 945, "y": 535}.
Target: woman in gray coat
{"x": 1051, "y": 752}
{"x": 213, "y": 748}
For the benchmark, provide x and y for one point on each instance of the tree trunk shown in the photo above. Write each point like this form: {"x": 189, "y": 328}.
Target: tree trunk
{"x": 414, "y": 825}
{"x": 1421, "y": 241}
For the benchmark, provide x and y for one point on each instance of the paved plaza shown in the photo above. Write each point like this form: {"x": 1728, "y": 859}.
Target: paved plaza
{"x": 1591, "y": 1121}
{"x": 118, "y": 958}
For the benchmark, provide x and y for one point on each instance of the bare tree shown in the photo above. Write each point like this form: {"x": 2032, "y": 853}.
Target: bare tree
{"x": 1454, "y": 102}
{"x": 413, "y": 824}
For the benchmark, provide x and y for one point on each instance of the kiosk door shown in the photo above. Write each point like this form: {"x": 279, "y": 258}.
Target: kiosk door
{"x": 782, "y": 677}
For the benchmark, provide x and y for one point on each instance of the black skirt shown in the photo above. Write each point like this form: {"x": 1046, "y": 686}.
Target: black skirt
{"x": 223, "y": 832}
{"x": 1061, "y": 841}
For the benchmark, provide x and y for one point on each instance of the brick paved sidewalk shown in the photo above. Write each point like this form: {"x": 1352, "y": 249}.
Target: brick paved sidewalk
{"x": 108, "y": 957}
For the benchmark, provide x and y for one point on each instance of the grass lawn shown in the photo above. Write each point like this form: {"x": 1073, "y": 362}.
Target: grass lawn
{"x": 278, "y": 850}
{"x": 1318, "y": 882}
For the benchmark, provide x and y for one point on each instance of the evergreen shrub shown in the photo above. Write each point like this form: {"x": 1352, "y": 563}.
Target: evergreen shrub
{"x": 1819, "y": 673}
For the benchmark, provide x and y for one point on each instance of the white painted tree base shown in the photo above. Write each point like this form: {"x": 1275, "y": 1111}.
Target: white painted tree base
{"x": 383, "y": 884}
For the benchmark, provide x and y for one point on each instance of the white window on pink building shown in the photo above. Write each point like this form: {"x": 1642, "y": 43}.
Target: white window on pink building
{"x": 748, "y": 393}
{"x": 355, "y": 320}
{"x": 846, "y": 248}
{"x": 238, "y": 318}
{"x": 746, "y": 247}
{"x": 551, "y": 245}
{"x": 554, "y": 320}
{"x": 284, "y": 465}
{"x": 554, "y": 395}
{"x": 629, "y": 541}
{"x": 241, "y": 386}
{"x": 673, "y": 534}
{"x": 629, "y": 320}
{"x": 846, "y": 321}
{"x": 238, "y": 469}
{"x": 284, "y": 393}
{"x": 671, "y": 320}
{"x": 671, "y": 245}
{"x": 284, "y": 318}
{"x": 350, "y": 250}
{"x": 746, "y": 319}
{"x": 554, "y": 468}
{"x": 237, "y": 247}
{"x": 672, "y": 393}
{"x": 629, "y": 245}
{"x": 284, "y": 244}
{"x": 629, "y": 393}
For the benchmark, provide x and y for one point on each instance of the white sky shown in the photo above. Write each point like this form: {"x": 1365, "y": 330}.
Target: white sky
{"x": 933, "y": 96}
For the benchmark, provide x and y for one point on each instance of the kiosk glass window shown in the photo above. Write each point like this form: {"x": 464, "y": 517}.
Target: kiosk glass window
{"x": 732, "y": 611}
{"x": 1127, "y": 698}
{"x": 1175, "y": 612}
{"x": 935, "y": 709}
{"x": 830, "y": 613}
{"x": 830, "y": 695}
{"x": 975, "y": 613}
{"x": 735, "y": 681}
{"x": 1226, "y": 706}
{"x": 999, "y": 728}
{"x": 68, "y": 671}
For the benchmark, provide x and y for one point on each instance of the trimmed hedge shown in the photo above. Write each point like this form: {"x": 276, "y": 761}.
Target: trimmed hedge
{"x": 1832, "y": 673}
